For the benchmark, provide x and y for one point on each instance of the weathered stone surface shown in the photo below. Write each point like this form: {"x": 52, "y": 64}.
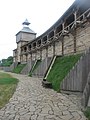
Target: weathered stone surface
{"x": 33, "y": 102}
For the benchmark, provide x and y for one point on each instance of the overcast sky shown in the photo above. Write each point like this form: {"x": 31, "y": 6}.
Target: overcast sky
{"x": 42, "y": 14}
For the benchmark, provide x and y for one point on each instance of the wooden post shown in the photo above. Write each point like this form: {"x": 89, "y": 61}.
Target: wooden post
{"x": 31, "y": 56}
{"x": 41, "y": 41}
{"x": 47, "y": 37}
{"x": 74, "y": 35}
{"x": 36, "y": 55}
{"x": 26, "y": 57}
{"x": 47, "y": 51}
{"x": 74, "y": 32}
{"x": 53, "y": 48}
{"x": 63, "y": 27}
{"x": 41, "y": 54}
{"x": 75, "y": 18}
{"x": 62, "y": 41}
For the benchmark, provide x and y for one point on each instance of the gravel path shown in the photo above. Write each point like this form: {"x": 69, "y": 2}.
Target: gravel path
{"x": 33, "y": 102}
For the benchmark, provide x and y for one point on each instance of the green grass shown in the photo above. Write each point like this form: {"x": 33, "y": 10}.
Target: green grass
{"x": 19, "y": 68}
{"x": 60, "y": 69}
{"x": 37, "y": 64}
{"x": 7, "y": 87}
{"x": 87, "y": 113}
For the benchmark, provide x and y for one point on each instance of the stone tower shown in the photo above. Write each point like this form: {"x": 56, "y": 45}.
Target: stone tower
{"x": 24, "y": 36}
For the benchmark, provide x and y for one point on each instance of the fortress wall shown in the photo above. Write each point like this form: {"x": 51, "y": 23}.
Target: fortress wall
{"x": 50, "y": 51}
{"x": 33, "y": 56}
{"x": 38, "y": 55}
{"x": 68, "y": 44}
{"x": 24, "y": 58}
{"x": 28, "y": 37}
{"x": 83, "y": 37}
{"x": 29, "y": 56}
{"x": 43, "y": 53}
{"x": 21, "y": 58}
{"x": 58, "y": 48}
{"x": 82, "y": 42}
{"x": 23, "y": 43}
{"x": 18, "y": 51}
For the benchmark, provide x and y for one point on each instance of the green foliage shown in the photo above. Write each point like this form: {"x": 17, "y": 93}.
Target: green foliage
{"x": 30, "y": 74}
{"x": 33, "y": 68}
{"x": 7, "y": 87}
{"x": 8, "y": 81}
{"x": 60, "y": 69}
{"x": 87, "y": 113}
{"x": 19, "y": 68}
{"x": 3, "y": 75}
{"x": 6, "y": 62}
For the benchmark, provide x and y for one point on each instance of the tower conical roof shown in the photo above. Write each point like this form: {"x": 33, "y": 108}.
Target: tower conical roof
{"x": 26, "y": 22}
{"x": 26, "y": 28}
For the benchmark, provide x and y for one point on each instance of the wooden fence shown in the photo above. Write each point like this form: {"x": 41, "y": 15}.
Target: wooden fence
{"x": 77, "y": 77}
{"x": 86, "y": 92}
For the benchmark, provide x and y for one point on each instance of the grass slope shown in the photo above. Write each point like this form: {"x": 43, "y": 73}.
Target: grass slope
{"x": 37, "y": 64}
{"x": 60, "y": 69}
{"x": 87, "y": 113}
{"x": 19, "y": 68}
{"x": 7, "y": 87}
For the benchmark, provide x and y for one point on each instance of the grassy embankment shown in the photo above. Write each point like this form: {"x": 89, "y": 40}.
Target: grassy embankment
{"x": 60, "y": 69}
{"x": 19, "y": 68}
{"x": 7, "y": 87}
{"x": 34, "y": 68}
{"x": 87, "y": 113}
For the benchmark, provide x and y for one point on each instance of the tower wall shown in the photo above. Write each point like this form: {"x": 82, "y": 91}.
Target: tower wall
{"x": 28, "y": 36}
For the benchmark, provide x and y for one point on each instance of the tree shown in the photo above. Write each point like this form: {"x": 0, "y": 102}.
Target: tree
{"x": 7, "y": 62}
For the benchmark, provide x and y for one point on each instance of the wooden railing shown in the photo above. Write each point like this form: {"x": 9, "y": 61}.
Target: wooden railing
{"x": 67, "y": 28}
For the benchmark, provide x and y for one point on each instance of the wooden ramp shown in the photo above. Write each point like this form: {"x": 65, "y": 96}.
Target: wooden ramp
{"x": 41, "y": 70}
{"x": 28, "y": 67}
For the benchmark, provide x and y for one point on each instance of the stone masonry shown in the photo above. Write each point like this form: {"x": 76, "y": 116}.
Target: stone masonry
{"x": 33, "y": 102}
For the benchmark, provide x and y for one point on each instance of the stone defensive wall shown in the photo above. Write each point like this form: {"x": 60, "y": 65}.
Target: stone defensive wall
{"x": 69, "y": 35}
